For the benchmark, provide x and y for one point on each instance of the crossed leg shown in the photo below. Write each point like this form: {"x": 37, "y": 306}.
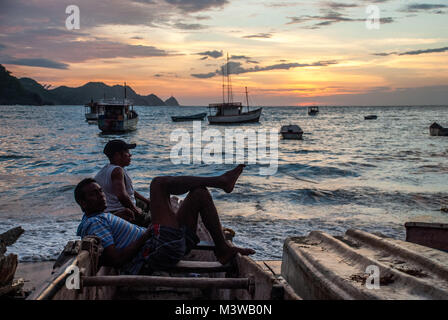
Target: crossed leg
{"x": 198, "y": 201}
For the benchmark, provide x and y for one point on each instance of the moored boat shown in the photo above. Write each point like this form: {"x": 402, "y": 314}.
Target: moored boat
{"x": 92, "y": 110}
{"x": 313, "y": 110}
{"x": 437, "y": 130}
{"x": 199, "y": 116}
{"x": 433, "y": 235}
{"x": 293, "y": 132}
{"x": 371, "y": 117}
{"x": 229, "y": 112}
{"x": 118, "y": 116}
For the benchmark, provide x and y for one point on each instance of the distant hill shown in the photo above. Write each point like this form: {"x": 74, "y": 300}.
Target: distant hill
{"x": 29, "y": 91}
{"x": 172, "y": 102}
{"x": 13, "y": 92}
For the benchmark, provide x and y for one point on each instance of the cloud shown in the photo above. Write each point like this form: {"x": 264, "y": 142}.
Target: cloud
{"x": 213, "y": 54}
{"x": 329, "y": 17}
{"x": 236, "y": 68}
{"x": 432, "y": 8}
{"x": 189, "y": 26}
{"x": 197, "y": 5}
{"x": 259, "y": 35}
{"x": 413, "y": 52}
{"x": 204, "y": 75}
{"x": 34, "y": 62}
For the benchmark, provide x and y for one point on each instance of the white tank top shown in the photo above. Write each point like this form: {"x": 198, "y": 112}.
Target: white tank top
{"x": 103, "y": 177}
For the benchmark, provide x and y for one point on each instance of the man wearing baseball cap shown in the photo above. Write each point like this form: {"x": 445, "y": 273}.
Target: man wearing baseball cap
{"x": 116, "y": 183}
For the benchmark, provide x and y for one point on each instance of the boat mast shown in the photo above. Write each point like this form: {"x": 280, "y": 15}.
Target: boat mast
{"x": 223, "y": 85}
{"x": 247, "y": 100}
{"x": 229, "y": 83}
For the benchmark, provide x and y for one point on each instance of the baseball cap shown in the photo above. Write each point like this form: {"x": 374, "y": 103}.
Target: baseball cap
{"x": 116, "y": 146}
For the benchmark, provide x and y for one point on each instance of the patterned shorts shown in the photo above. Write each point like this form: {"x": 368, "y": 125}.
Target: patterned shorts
{"x": 165, "y": 248}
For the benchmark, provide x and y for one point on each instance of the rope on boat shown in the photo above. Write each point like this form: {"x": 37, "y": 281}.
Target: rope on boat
{"x": 175, "y": 282}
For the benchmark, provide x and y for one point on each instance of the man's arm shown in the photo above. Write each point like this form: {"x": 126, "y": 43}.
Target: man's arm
{"x": 119, "y": 190}
{"x": 117, "y": 257}
{"x": 140, "y": 197}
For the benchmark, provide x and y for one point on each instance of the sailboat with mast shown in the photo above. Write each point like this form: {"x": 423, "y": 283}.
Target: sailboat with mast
{"x": 229, "y": 112}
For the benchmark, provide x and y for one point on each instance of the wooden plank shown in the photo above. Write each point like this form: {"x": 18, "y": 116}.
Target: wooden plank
{"x": 176, "y": 282}
{"x": 200, "y": 267}
{"x": 205, "y": 245}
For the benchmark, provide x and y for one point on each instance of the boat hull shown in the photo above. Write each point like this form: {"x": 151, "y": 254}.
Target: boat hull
{"x": 437, "y": 130}
{"x": 292, "y": 136}
{"x": 248, "y": 117}
{"x": 433, "y": 235}
{"x": 91, "y": 116}
{"x": 200, "y": 117}
{"x": 113, "y": 125}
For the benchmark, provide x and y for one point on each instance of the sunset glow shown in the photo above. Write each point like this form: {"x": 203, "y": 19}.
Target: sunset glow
{"x": 285, "y": 52}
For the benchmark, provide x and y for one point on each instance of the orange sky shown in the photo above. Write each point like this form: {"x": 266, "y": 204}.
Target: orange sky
{"x": 286, "y": 53}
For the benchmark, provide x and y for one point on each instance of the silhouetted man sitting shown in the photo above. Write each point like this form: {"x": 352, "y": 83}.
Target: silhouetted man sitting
{"x": 170, "y": 236}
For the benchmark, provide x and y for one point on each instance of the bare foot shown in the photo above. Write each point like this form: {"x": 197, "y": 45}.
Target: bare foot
{"x": 230, "y": 177}
{"x": 228, "y": 255}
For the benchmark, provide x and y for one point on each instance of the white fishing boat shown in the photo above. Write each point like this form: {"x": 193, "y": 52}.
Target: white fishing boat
{"x": 118, "y": 115}
{"x": 229, "y": 112}
{"x": 92, "y": 110}
{"x": 292, "y": 132}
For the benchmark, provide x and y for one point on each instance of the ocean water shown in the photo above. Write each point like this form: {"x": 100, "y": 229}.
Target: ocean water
{"x": 346, "y": 173}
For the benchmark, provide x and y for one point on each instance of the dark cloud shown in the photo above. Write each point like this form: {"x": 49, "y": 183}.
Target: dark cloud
{"x": 236, "y": 68}
{"x": 330, "y": 18}
{"x": 239, "y": 57}
{"x": 340, "y": 5}
{"x": 189, "y": 26}
{"x": 433, "y": 8}
{"x": 34, "y": 62}
{"x": 259, "y": 35}
{"x": 197, "y": 5}
{"x": 213, "y": 54}
{"x": 413, "y": 52}
{"x": 204, "y": 75}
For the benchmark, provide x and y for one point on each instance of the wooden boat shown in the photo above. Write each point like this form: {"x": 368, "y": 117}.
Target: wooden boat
{"x": 199, "y": 116}
{"x": 229, "y": 112}
{"x": 437, "y": 130}
{"x": 360, "y": 265}
{"x": 118, "y": 115}
{"x": 92, "y": 110}
{"x": 433, "y": 235}
{"x": 293, "y": 132}
{"x": 371, "y": 117}
{"x": 243, "y": 279}
{"x": 312, "y": 111}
